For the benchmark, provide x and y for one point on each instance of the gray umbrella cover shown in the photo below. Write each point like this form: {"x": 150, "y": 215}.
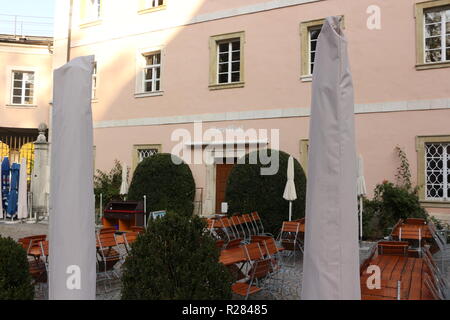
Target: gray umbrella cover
{"x": 331, "y": 260}
{"x": 72, "y": 256}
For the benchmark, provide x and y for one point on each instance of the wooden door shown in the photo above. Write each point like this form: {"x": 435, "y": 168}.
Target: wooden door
{"x": 222, "y": 173}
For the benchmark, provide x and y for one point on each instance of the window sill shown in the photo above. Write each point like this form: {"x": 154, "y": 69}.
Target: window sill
{"x": 226, "y": 85}
{"x": 148, "y": 94}
{"x": 435, "y": 204}
{"x": 306, "y": 78}
{"x": 87, "y": 24}
{"x": 21, "y": 106}
{"x": 434, "y": 65}
{"x": 148, "y": 10}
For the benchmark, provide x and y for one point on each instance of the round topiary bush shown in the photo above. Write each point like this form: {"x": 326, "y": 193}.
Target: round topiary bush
{"x": 175, "y": 259}
{"x": 248, "y": 191}
{"x": 15, "y": 279}
{"x": 168, "y": 186}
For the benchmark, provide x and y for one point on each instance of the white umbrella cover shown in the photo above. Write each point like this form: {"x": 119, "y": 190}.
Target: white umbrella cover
{"x": 290, "y": 193}
{"x": 1, "y": 201}
{"x": 331, "y": 255}
{"x": 124, "y": 185}
{"x": 22, "y": 206}
{"x": 72, "y": 256}
{"x": 360, "y": 191}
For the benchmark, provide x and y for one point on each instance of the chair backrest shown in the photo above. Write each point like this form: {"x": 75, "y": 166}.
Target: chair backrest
{"x": 227, "y": 226}
{"x": 34, "y": 241}
{"x": 271, "y": 246}
{"x": 25, "y": 243}
{"x": 396, "y": 248}
{"x": 225, "y": 222}
{"x": 106, "y": 239}
{"x": 258, "y": 222}
{"x": 107, "y": 230}
{"x": 261, "y": 269}
{"x": 290, "y": 226}
{"x": 419, "y": 221}
{"x": 253, "y": 251}
{"x": 235, "y": 225}
{"x": 255, "y": 216}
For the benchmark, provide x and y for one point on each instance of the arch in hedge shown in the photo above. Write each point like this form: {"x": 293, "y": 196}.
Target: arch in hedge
{"x": 247, "y": 191}
{"x": 167, "y": 186}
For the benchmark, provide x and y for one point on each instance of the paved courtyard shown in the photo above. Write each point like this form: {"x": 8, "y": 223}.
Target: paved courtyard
{"x": 290, "y": 277}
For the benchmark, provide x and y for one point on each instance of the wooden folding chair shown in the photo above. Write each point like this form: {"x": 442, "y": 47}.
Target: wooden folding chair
{"x": 259, "y": 271}
{"x": 259, "y": 225}
{"x": 249, "y": 223}
{"x": 31, "y": 242}
{"x": 108, "y": 255}
{"x": 227, "y": 228}
{"x": 289, "y": 238}
{"x": 239, "y": 227}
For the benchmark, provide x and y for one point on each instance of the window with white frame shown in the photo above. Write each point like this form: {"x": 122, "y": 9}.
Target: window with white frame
{"x": 437, "y": 34}
{"x": 22, "y": 88}
{"x": 90, "y": 10}
{"x": 229, "y": 61}
{"x": 437, "y": 171}
{"x": 313, "y": 35}
{"x": 94, "y": 81}
{"x": 152, "y": 72}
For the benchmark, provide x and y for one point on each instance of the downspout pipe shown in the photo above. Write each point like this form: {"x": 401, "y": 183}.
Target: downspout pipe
{"x": 69, "y": 30}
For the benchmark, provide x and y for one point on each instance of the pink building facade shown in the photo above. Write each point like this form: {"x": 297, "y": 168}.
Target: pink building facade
{"x": 165, "y": 65}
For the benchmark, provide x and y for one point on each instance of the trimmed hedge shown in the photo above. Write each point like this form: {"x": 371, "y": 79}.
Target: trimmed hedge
{"x": 15, "y": 279}
{"x": 248, "y": 191}
{"x": 175, "y": 259}
{"x": 167, "y": 186}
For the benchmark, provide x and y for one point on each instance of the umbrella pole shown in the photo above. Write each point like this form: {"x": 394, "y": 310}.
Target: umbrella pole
{"x": 360, "y": 218}
{"x": 290, "y": 210}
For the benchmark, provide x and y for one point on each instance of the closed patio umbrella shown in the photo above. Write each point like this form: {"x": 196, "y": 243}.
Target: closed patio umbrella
{"x": 22, "y": 206}
{"x": 289, "y": 191}
{"x": 13, "y": 191}
{"x": 1, "y": 201}
{"x": 72, "y": 247}
{"x": 5, "y": 182}
{"x": 124, "y": 184}
{"x": 361, "y": 192}
{"x": 331, "y": 255}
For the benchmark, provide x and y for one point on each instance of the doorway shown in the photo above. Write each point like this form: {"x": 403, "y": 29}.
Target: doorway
{"x": 222, "y": 174}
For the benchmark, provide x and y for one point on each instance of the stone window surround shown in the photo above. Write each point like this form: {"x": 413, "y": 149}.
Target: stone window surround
{"x": 213, "y": 45}
{"x": 420, "y": 46}
{"x": 420, "y": 149}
